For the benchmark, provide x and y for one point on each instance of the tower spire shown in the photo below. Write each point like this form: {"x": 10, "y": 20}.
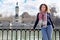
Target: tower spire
{"x": 17, "y": 3}
{"x": 17, "y": 12}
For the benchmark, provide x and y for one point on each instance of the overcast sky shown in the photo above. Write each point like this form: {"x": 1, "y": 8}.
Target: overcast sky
{"x": 7, "y": 7}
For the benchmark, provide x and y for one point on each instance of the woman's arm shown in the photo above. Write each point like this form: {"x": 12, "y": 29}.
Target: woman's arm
{"x": 51, "y": 20}
{"x": 36, "y": 22}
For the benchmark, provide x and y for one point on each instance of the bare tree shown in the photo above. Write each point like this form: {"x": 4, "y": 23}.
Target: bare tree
{"x": 55, "y": 20}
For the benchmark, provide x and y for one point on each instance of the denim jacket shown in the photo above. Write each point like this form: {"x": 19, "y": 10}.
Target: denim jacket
{"x": 49, "y": 21}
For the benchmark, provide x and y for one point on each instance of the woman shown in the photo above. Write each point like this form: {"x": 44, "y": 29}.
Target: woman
{"x": 44, "y": 19}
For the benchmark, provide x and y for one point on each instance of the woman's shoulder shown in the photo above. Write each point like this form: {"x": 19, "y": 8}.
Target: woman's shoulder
{"x": 38, "y": 13}
{"x": 49, "y": 13}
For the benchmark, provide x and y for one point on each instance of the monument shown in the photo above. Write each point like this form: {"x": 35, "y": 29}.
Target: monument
{"x": 17, "y": 13}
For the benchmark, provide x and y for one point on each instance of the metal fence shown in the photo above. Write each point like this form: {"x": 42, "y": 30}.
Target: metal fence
{"x": 25, "y": 34}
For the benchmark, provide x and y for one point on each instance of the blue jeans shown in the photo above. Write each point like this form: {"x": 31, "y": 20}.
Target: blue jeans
{"x": 47, "y": 32}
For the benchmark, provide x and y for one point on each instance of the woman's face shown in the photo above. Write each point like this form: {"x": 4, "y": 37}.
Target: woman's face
{"x": 43, "y": 8}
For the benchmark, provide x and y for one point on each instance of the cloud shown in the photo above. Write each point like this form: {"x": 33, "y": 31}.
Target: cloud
{"x": 7, "y": 7}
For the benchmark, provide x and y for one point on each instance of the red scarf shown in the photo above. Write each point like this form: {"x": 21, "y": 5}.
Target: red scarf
{"x": 43, "y": 16}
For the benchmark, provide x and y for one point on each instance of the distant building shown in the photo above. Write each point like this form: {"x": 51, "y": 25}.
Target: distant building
{"x": 26, "y": 18}
{"x": 0, "y": 15}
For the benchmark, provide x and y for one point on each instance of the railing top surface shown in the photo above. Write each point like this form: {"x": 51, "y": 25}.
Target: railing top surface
{"x": 16, "y": 28}
{"x": 29, "y": 29}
